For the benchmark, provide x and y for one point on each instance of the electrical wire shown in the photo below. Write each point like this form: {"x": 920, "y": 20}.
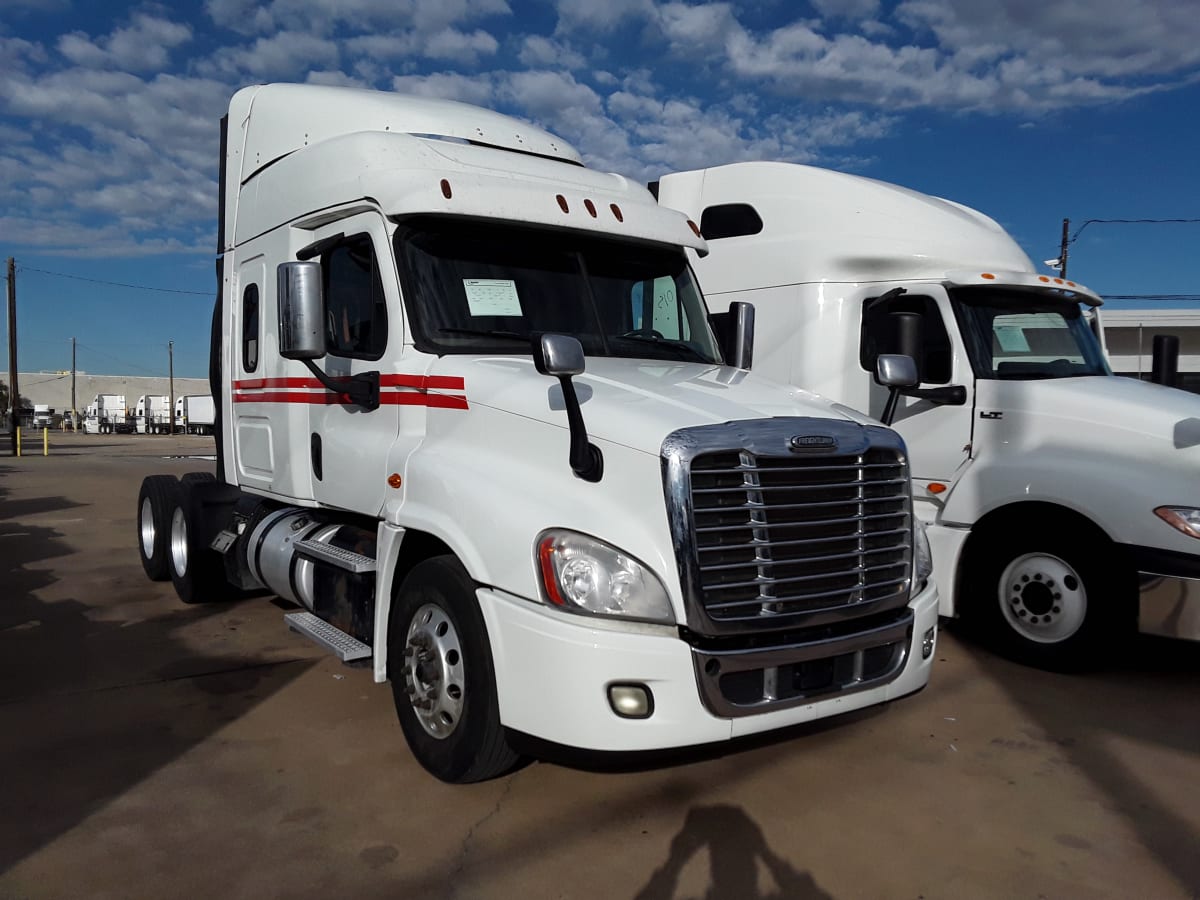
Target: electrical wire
{"x": 119, "y": 361}
{"x": 136, "y": 287}
{"x": 1132, "y": 222}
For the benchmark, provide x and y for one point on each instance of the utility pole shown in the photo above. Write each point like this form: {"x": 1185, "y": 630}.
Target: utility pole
{"x": 171, "y": 370}
{"x": 14, "y": 392}
{"x": 1062, "y": 256}
{"x": 74, "y": 413}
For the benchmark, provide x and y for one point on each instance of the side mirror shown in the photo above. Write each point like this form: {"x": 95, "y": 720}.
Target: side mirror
{"x": 894, "y": 371}
{"x": 301, "y": 311}
{"x": 735, "y": 334}
{"x": 558, "y": 354}
{"x": 561, "y": 356}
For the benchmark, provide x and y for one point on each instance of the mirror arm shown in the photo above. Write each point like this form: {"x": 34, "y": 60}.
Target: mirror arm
{"x": 951, "y": 395}
{"x": 362, "y": 389}
{"x": 585, "y": 458}
{"x": 889, "y": 408}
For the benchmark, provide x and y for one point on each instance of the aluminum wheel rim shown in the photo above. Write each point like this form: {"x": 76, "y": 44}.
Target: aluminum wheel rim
{"x": 179, "y": 550}
{"x": 434, "y": 677}
{"x": 1043, "y": 598}
{"x": 148, "y": 531}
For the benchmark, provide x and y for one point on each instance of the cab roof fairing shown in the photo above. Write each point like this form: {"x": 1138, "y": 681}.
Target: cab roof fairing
{"x": 402, "y": 174}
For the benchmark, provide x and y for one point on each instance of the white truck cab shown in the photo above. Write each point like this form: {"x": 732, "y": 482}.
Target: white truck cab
{"x": 475, "y": 419}
{"x": 1062, "y": 502}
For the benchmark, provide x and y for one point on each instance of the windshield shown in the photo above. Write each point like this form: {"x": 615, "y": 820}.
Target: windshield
{"x": 1012, "y": 334}
{"x": 476, "y": 288}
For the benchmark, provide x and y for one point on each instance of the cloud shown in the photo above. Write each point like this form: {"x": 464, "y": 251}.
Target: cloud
{"x": 142, "y": 47}
{"x": 322, "y": 17}
{"x": 542, "y": 51}
{"x": 590, "y": 15}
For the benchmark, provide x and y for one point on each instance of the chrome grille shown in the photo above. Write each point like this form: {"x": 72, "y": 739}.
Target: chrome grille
{"x": 783, "y": 538}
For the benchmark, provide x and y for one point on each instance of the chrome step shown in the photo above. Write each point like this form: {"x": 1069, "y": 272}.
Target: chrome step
{"x": 345, "y": 647}
{"x": 335, "y": 556}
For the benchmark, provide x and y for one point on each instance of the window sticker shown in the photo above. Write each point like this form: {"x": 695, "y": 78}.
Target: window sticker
{"x": 1012, "y": 338}
{"x": 492, "y": 297}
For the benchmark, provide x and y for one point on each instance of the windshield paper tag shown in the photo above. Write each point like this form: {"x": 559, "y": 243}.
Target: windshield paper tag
{"x": 1012, "y": 338}
{"x": 492, "y": 297}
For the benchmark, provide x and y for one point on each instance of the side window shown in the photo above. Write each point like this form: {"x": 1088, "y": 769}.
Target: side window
{"x": 355, "y": 308}
{"x": 730, "y": 220}
{"x": 250, "y": 328}
{"x": 881, "y": 324}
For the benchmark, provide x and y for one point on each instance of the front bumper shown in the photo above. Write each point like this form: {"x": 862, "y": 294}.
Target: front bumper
{"x": 1168, "y": 592}
{"x": 553, "y": 671}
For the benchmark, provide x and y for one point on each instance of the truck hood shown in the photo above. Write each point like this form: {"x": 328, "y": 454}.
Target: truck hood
{"x": 635, "y": 403}
{"x": 1103, "y": 412}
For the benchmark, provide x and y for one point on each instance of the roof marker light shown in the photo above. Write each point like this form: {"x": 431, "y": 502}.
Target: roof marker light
{"x": 1044, "y": 278}
{"x": 695, "y": 228}
{"x": 1071, "y": 284}
{"x": 1058, "y": 281}
{"x": 988, "y": 275}
{"x": 562, "y": 203}
{"x": 590, "y": 207}
{"x": 616, "y": 211}
{"x": 446, "y": 192}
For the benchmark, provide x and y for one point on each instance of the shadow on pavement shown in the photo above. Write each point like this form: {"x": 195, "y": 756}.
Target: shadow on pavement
{"x": 1084, "y": 734}
{"x": 93, "y": 701}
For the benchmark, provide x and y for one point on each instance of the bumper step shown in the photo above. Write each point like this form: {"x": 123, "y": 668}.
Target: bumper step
{"x": 336, "y": 556}
{"x": 342, "y": 645}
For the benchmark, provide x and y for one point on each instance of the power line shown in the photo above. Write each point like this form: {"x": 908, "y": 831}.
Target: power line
{"x": 136, "y": 287}
{"x": 1133, "y": 222}
{"x": 121, "y": 362}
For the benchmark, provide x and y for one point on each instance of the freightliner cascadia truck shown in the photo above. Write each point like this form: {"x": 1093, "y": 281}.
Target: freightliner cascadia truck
{"x": 474, "y": 417}
{"x": 1062, "y": 502}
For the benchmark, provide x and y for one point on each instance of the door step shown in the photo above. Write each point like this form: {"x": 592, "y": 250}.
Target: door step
{"x": 335, "y": 556}
{"x": 342, "y": 645}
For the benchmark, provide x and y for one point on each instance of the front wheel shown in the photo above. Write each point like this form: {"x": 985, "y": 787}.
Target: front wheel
{"x": 443, "y": 678}
{"x": 1051, "y": 601}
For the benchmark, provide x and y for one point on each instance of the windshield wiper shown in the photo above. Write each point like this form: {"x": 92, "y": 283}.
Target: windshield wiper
{"x": 482, "y": 332}
{"x": 665, "y": 343}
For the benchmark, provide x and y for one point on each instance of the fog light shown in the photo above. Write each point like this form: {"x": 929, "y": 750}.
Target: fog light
{"x": 631, "y": 701}
{"x": 927, "y": 643}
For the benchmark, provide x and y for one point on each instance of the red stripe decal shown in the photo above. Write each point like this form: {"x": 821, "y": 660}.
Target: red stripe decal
{"x": 393, "y": 398}
{"x": 420, "y": 382}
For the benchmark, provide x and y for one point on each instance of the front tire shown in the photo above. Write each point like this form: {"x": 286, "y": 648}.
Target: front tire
{"x": 443, "y": 678}
{"x": 1051, "y": 601}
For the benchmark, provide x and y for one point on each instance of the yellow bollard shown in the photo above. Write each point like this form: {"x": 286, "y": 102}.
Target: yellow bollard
{"x": 18, "y": 440}
{"x": 45, "y": 442}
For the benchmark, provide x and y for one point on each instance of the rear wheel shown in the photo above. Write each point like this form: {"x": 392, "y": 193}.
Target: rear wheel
{"x": 443, "y": 678}
{"x": 156, "y": 503}
{"x": 197, "y": 571}
{"x": 1051, "y": 600}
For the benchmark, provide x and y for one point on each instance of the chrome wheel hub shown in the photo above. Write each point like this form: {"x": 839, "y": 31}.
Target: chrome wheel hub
{"x": 179, "y": 548}
{"x": 146, "y": 528}
{"x": 433, "y": 671}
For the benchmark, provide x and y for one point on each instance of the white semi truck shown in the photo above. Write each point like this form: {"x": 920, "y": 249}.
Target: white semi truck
{"x": 663, "y": 550}
{"x": 1063, "y": 503}
{"x": 152, "y": 414}
{"x": 107, "y": 414}
{"x": 195, "y": 414}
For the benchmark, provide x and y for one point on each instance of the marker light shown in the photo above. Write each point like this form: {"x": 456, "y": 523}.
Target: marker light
{"x": 562, "y": 202}
{"x": 584, "y": 575}
{"x": 1181, "y": 518}
{"x": 988, "y": 275}
{"x": 935, "y": 487}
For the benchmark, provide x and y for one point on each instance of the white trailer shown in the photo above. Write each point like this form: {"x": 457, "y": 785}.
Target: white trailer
{"x": 662, "y": 551}
{"x": 43, "y": 415}
{"x": 151, "y": 414}
{"x": 1062, "y": 503}
{"x": 195, "y": 414}
{"x": 107, "y": 414}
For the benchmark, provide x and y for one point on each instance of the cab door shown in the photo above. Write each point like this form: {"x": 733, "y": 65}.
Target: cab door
{"x": 937, "y": 426}
{"x": 348, "y": 444}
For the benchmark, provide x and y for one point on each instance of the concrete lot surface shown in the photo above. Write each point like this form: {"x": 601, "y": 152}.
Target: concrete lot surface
{"x": 151, "y": 749}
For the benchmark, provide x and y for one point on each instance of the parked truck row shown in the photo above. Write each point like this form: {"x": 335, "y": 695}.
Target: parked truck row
{"x": 150, "y": 414}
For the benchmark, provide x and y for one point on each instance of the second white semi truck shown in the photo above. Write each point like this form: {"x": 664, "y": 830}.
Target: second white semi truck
{"x": 152, "y": 414}
{"x": 475, "y": 420}
{"x": 195, "y": 414}
{"x": 1062, "y": 502}
{"x": 107, "y": 414}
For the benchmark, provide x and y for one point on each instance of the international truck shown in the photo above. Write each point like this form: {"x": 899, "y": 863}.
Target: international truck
{"x": 152, "y": 414}
{"x": 107, "y": 414}
{"x": 195, "y": 414}
{"x": 476, "y": 422}
{"x": 1062, "y": 503}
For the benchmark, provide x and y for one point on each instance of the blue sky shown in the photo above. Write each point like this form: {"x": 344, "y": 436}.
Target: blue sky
{"x": 1031, "y": 112}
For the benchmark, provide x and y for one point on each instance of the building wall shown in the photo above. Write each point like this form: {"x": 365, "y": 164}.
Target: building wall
{"x": 54, "y": 388}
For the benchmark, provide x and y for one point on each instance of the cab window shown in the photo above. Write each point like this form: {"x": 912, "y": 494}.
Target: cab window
{"x": 355, "y": 308}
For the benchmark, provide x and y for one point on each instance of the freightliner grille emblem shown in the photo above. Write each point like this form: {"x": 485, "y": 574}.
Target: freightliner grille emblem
{"x": 807, "y": 443}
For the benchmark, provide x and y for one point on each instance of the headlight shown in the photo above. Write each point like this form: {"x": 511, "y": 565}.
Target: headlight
{"x": 585, "y": 575}
{"x": 1181, "y": 518}
{"x": 922, "y": 557}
